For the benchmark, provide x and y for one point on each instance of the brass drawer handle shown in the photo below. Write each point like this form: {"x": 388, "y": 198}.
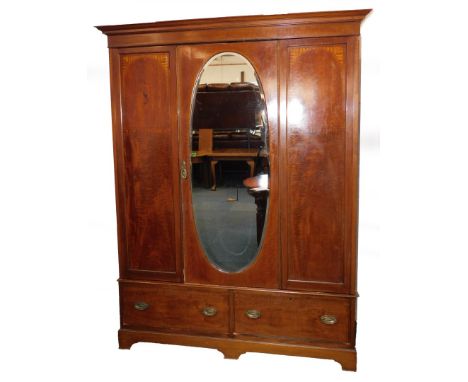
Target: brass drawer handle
{"x": 209, "y": 311}
{"x": 141, "y": 305}
{"x": 328, "y": 319}
{"x": 253, "y": 314}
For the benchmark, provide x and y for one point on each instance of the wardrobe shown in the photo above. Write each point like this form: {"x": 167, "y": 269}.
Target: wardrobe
{"x": 236, "y": 152}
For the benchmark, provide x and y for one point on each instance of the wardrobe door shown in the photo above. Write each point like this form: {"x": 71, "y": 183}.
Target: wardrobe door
{"x": 319, "y": 154}
{"x": 263, "y": 271}
{"x": 146, "y": 162}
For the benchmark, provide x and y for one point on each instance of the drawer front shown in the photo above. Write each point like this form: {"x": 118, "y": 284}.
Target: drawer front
{"x": 174, "y": 308}
{"x": 293, "y": 316}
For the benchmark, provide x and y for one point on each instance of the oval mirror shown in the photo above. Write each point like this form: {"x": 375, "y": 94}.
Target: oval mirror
{"x": 230, "y": 164}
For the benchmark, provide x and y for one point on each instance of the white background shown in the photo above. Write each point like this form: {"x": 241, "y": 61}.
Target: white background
{"x": 58, "y": 294}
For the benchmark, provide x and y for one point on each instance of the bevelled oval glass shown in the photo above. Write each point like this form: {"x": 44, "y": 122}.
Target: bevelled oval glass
{"x": 230, "y": 162}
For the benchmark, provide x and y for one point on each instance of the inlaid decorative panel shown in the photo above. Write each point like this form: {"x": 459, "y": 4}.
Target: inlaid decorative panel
{"x": 316, "y": 149}
{"x": 151, "y": 201}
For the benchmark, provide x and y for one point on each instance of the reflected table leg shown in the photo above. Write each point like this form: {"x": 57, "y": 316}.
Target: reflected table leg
{"x": 213, "y": 164}
{"x": 251, "y": 164}
{"x": 261, "y": 198}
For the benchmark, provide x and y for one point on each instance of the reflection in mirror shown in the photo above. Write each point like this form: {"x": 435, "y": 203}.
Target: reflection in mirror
{"x": 230, "y": 165}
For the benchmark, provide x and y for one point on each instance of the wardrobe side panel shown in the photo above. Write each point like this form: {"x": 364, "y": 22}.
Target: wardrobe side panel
{"x": 317, "y": 97}
{"x": 150, "y": 163}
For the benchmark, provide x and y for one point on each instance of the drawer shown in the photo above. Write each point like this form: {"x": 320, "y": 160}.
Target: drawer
{"x": 294, "y": 316}
{"x": 174, "y": 308}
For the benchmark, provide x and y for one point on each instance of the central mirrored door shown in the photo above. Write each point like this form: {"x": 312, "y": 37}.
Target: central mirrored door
{"x": 229, "y": 145}
{"x": 229, "y": 161}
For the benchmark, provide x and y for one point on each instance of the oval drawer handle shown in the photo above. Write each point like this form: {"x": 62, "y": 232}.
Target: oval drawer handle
{"x": 141, "y": 305}
{"x": 328, "y": 319}
{"x": 253, "y": 314}
{"x": 209, "y": 311}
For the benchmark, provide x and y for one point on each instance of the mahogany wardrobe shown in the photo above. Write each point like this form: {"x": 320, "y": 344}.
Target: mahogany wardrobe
{"x": 236, "y": 150}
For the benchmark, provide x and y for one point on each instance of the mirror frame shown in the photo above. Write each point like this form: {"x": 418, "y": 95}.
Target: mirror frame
{"x": 255, "y": 256}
